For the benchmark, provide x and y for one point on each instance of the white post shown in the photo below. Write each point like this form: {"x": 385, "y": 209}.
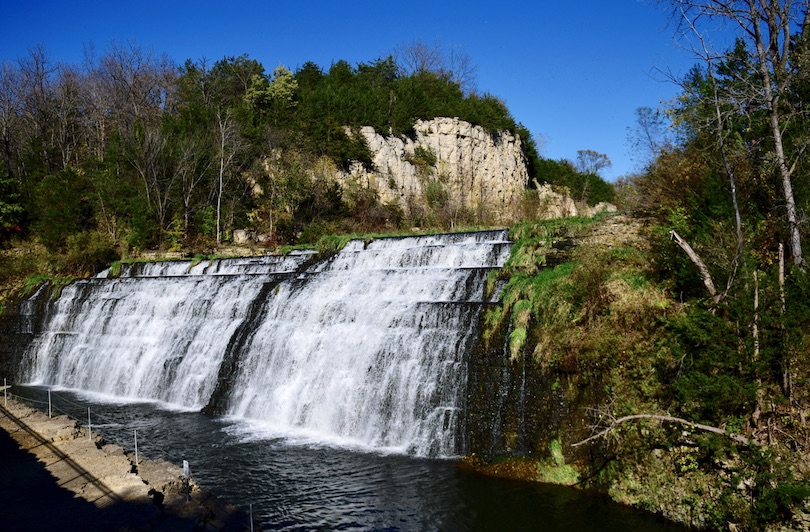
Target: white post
{"x": 50, "y": 410}
{"x": 251, "y": 517}
{"x": 136, "y": 448}
{"x": 187, "y": 476}
{"x": 89, "y": 427}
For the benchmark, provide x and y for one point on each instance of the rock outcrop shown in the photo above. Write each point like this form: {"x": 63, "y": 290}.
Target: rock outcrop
{"x": 550, "y": 204}
{"x": 448, "y": 162}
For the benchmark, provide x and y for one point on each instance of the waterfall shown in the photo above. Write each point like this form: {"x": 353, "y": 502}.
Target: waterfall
{"x": 368, "y": 347}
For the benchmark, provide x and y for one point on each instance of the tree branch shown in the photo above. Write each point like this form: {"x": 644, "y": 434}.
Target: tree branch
{"x": 708, "y": 428}
{"x": 697, "y": 261}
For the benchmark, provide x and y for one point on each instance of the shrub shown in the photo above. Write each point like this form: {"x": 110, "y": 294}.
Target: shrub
{"x": 87, "y": 253}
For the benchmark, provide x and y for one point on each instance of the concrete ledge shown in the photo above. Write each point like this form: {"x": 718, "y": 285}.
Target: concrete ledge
{"x": 58, "y": 477}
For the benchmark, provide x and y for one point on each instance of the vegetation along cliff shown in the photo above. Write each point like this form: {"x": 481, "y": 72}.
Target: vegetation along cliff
{"x": 658, "y": 355}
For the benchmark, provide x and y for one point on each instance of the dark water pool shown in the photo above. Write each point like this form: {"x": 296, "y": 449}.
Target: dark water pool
{"x": 297, "y": 483}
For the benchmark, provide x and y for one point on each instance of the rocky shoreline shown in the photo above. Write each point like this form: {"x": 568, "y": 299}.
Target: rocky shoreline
{"x": 56, "y": 476}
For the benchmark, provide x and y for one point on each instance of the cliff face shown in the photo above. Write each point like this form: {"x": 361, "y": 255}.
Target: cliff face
{"x": 448, "y": 163}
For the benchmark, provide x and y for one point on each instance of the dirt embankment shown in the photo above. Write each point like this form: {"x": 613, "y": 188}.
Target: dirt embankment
{"x": 53, "y": 476}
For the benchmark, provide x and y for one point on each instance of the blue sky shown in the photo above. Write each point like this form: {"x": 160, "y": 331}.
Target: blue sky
{"x": 572, "y": 72}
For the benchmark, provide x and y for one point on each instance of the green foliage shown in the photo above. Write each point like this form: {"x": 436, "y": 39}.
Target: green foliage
{"x": 556, "y": 471}
{"x": 711, "y": 375}
{"x": 87, "y": 253}
{"x": 153, "y": 172}
{"x": 423, "y": 158}
{"x": 32, "y": 283}
{"x": 57, "y": 283}
{"x": 115, "y": 269}
{"x": 331, "y": 244}
{"x": 64, "y": 208}
{"x": 586, "y": 187}
{"x": 533, "y": 294}
{"x": 776, "y": 492}
{"x": 517, "y": 339}
{"x": 11, "y": 210}
{"x": 714, "y": 368}
{"x": 435, "y": 194}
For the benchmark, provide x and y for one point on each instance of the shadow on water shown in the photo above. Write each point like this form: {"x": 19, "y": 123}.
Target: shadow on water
{"x": 294, "y": 485}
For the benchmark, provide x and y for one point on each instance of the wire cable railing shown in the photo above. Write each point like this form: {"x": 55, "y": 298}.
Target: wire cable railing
{"x": 71, "y": 409}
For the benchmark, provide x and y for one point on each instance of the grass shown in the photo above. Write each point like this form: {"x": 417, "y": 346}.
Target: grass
{"x": 31, "y": 284}
{"x": 556, "y": 471}
{"x": 585, "y": 312}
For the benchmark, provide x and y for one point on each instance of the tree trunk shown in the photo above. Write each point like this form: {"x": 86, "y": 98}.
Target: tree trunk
{"x": 777, "y": 24}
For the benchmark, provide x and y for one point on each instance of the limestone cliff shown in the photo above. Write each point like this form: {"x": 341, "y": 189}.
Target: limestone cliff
{"x": 447, "y": 163}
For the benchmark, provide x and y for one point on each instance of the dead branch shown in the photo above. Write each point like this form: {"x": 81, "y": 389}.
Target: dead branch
{"x": 697, "y": 261}
{"x": 708, "y": 428}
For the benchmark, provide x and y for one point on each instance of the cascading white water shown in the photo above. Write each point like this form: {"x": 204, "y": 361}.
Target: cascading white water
{"x": 371, "y": 347}
{"x": 367, "y": 348}
{"x": 158, "y": 332}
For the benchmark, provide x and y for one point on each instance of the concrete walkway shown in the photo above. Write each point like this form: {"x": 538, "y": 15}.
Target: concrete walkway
{"x": 54, "y": 477}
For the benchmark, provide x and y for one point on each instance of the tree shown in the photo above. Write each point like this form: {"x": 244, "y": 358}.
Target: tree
{"x": 64, "y": 208}
{"x": 650, "y": 135}
{"x": 592, "y": 162}
{"x": 193, "y": 126}
{"x": 418, "y": 56}
{"x": 229, "y": 143}
{"x": 68, "y": 123}
{"x": 10, "y": 117}
{"x": 766, "y": 29}
{"x": 138, "y": 86}
{"x": 148, "y": 153}
{"x": 10, "y": 209}
{"x": 455, "y": 66}
{"x": 276, "y": 97}
{"x": 232, "y": 77}
{"x": 586, "y": 187}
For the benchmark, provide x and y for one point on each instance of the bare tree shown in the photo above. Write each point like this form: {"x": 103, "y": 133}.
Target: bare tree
{"x": 138, "y": 85}
{"x": 611, "y": 423}
{"x": 455, "y": 65}
{"x": 146, "y": 153}
{"x": 193, "y": 166}
{"x": 36, "y": 75}
{"x": 229, "y": 143}
{"x": 98, "y": 104}
{"x": 10, "y": 116}
{"x": 460, "y": 69}
{"x": 418, "y": 56}
{"x": 69, "y": 108}
{"x": 720, "y": 131}
{"x": 650, "y": 135}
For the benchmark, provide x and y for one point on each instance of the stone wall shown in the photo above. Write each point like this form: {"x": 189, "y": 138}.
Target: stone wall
{"x": 19, "y": 325}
